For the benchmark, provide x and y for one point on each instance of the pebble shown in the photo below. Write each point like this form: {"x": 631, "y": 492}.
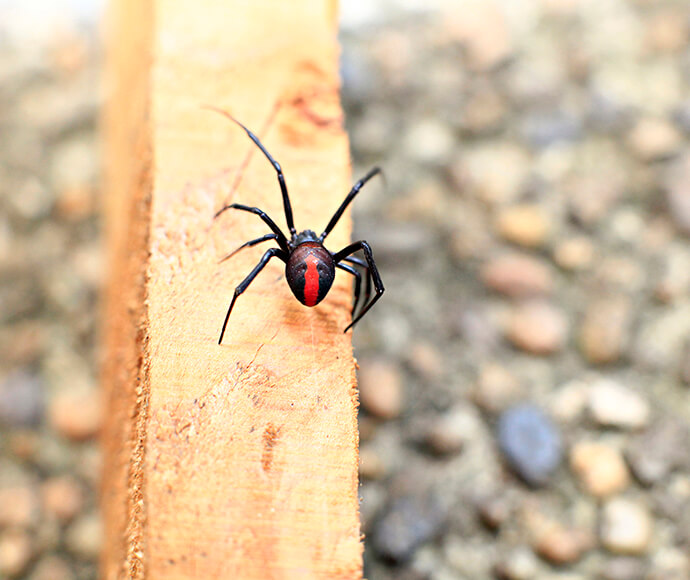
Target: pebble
{"x": 662, "y": 336}
{"x": 613, "y": 405}
{"x": 496, "y": 389}
{"x": 495, "y": 511}
{"x": 21, "y": 399}
{"x": 426, "y": 360}
{"x": 569, "y": 401}
{"x": 667, "y": 30}
{"x": 574, "y": 253}
{"x": 519, "y": 564}
{"x": 674, "y": 281}
{"x": 15, "y": 553}
{"x": 653, "y": 138}
{"x": 524, "y": 225}
{"x": 19, "y": 506}
{"x": 475, "y": 171}
{"x": 408, "y": 522}
{"x": 591, "y": 197}
{"x": 381, "y": 388}
{"x": 452, "y": 430}
{"x": 74, "y": 163}
{"x": 517, "y": 275}
{"x": 685, "y": 364}
{"x": 537, "y": 327}
{"x": 600, "y": 468}
{"x": 483, "y": 112}
{"x": 429, "y": 141}
{"x": 653, "y": 454}
{"x": 605, "y": 329}
{"x": 544, "y": 129}
{"x": 623, "y": 568}
{"x": 677, "y": 186}
{"x": 84, "y": 537}
{"x": 530, "y": 442}
{"x": 52, "y": 568}
{"x": 62, "y": 497}
{"x": 626, "y": 526}
{"x": 77, "y": 415}
{"x": 483, "y": 29}
{"x": 681, "y": 116}
{"x": 559, "y": 545}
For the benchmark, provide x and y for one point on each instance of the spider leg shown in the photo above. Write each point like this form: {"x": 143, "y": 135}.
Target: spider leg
{"x": 373, "y": 271}
{"x": 350, "y": 196}
{"x": 249, "y": 244}
{"x": 280, "y": 236}
{"x": 276, "y": 166}
{"x": 363, "y": 264}
{"x": 249, "y": 279}
{"x": 358, "y": 284}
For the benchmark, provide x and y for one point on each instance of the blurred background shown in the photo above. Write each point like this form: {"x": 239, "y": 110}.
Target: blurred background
{"x": 525, "y": 382}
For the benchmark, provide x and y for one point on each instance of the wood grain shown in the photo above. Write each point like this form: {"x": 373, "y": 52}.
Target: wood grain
{"x": 240, "y": 460}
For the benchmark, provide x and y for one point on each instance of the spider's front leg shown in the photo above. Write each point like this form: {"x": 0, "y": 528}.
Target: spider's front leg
{"x": 249, "y": 279}
{"x": 373, "y": 271}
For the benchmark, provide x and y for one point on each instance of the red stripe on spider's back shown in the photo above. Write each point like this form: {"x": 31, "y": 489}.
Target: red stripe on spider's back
{"x": 311, "y": 281}
{"x": 310, "y": 272}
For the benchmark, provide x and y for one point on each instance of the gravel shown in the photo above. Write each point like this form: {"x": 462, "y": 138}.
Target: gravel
{"x": 533, "y": 240}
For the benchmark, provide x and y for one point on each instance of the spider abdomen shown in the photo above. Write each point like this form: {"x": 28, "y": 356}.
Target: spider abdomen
{"x": 310, "y": 271}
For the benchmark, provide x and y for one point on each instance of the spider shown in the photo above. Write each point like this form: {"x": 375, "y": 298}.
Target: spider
{"x": 309, "y": 266}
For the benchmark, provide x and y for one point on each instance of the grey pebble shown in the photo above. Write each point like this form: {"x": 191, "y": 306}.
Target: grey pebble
{"x": 408, "y": 522}
{"x": 657, "y": 451}
{"x": 623, "y": 568}
{"x": 21, "y": 399}
{"x": 542, "y": 130}
{"x": 531, "y": 443}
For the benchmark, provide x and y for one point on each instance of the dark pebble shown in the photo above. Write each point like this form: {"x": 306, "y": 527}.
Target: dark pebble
{"x": 652, "y": 455}
{"x": 530, "y": 442}
{"x": 544, "y": 129}
{"x": 21, "y": 399}
{"x": 408, "y": 522}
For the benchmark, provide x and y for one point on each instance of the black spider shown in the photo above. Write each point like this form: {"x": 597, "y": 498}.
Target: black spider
{"x": 309, "y": 266}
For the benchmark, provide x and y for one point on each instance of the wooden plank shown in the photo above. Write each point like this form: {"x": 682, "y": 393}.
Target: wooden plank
{"x": 240, "y": 460}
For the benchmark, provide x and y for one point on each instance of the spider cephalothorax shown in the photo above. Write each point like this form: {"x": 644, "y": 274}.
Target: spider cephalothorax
{"x": 309, "y": 266}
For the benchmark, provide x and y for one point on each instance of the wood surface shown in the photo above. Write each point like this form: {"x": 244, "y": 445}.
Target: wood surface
{"x": 239, "y": 460}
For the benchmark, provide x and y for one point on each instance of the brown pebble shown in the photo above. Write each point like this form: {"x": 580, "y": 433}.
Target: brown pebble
{"x": 77, "y": 415}
{"x": 496, "y": 389}
{"x": 524, "y": 225}
{"x": 52, "y": 568}
{"x": 574, "y": 253}
{"x": 62, "y": 497}
{"x": 538, "y": 327}
{"x": 653, "y": 138}
{"x": 484, "y": 32}
{"x": 605, "y": 329}
{"x": 552, "y": 540}
{"x": 560, "y": 545}
{"x": 600, "y": 468}
{"x": 18, "y": 506}
{"x": 426, "y": 360}
{"x": 494, "y": 511}
{"x": 15, "y": 553}
{"x": 380, "y": 388}
{"x": 517, "y": 275}
{"x": 667, "y": 30}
